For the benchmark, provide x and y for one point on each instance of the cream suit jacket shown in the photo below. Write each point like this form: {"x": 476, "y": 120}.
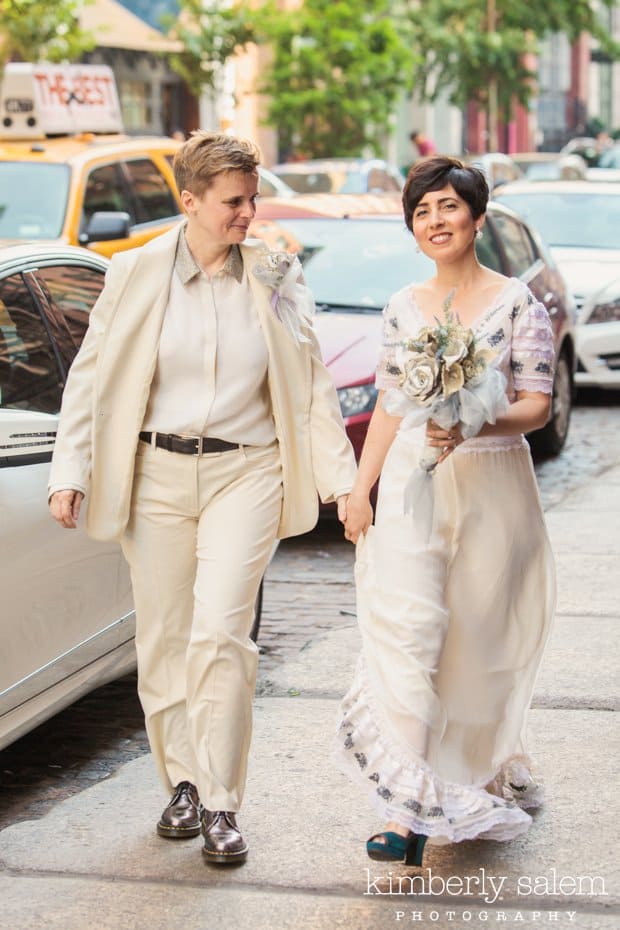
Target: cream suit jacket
{"x": 105, "y": 398}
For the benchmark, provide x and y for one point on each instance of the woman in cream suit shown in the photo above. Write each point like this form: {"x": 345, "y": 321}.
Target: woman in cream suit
{"x": 201, "y": 421}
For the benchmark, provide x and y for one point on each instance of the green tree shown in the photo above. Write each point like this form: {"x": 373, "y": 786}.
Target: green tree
{"x": 476, "y": 49}
{"x": 41, "y": 30}
{"x": 337, "y": 70}
{"x": 210, "y": 34}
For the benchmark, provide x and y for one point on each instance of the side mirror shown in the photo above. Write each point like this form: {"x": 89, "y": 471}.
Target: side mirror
{"x": 105, "y": 225}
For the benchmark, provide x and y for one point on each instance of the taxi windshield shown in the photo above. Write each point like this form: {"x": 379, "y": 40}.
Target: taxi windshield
{"x": 33, "y": 200}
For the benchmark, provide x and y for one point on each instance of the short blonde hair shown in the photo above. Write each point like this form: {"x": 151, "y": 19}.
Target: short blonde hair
{"x": 205, "y": 155}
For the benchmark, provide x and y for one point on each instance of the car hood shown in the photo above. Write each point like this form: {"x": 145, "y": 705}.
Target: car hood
{"x": 587, "y": 270}
{"x": 350, "y": 344}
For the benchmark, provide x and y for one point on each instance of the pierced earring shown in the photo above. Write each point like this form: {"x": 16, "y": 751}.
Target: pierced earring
{"x": 478, "y": 234}
{"x": 417, "y": 248}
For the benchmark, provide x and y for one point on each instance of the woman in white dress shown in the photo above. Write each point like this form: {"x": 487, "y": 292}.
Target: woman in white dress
{"x": 453, "y": 626}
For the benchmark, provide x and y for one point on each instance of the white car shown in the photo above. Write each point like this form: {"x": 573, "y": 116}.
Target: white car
{"x": 270, "y": 185}
{"x": 341, "y": 176}
{"x": 551, "y": 166}
{"x": 498, "y": 169}
{"x": 67, "y": 623}
{"x": 580, "y": 222}
{"x": 598, "y": 337}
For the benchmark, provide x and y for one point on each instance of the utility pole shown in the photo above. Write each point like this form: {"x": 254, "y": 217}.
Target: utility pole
{"x": 492, "y": 100}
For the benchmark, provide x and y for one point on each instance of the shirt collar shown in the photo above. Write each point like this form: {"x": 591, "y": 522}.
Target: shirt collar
{"x": 187, "y": 267}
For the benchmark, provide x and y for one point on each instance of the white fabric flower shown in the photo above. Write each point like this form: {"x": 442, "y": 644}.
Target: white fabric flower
{"x": 291, "y": 300}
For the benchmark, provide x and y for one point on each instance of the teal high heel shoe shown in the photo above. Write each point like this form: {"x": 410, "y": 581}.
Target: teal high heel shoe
{"x": 392, "y": 847}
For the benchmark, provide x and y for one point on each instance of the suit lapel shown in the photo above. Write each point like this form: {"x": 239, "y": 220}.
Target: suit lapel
{"x": 129, "y": 354}
{"x": 284, "y": 353}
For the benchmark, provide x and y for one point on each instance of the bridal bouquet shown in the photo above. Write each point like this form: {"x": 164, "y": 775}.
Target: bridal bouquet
{"x": 443, "y": 376}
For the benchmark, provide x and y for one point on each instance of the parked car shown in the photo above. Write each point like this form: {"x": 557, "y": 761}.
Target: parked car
{"x": 580, "y": 222}
{"x": 353, "y": 266}
{"x": 67, "y": 619}
{"x": 609, "y": 157}
{"x": 607, "y": 167}
{"x": 106, "y": 192}
{"x": 498, "y": 168}
{"x": 336, "y": 205}
{"x": 67, "y": 170}
{"x": 270, "y": 185}
{"x": 585, "y": 146}
{"x": 67, "y": 623}
{"x": 341, "y": 176}
{"x": 598, "y": 339}
{"x": 550, "y": 166}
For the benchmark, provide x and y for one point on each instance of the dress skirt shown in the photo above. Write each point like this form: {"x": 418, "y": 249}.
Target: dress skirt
{"x": 453, "y": 630}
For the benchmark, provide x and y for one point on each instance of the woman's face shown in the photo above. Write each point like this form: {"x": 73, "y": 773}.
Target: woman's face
{"x": 224, "y": 211}
{"x": 443, "y": 225}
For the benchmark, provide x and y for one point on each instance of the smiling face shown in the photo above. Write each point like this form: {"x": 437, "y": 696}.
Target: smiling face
{"x": 443, "y": 225}
{"x": 222, "y": 214}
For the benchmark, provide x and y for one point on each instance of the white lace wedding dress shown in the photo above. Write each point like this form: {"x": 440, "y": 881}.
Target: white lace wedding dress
{"x": 453, "y": 629}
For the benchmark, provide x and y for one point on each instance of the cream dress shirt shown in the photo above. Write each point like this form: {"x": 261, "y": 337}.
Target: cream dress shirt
{"x": 211, "y": 373}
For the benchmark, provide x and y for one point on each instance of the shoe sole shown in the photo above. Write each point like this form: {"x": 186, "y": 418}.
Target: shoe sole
{"x": 233, "y": 858}
{"x": 177, "y": 833}
{"x": 381, "y": 856}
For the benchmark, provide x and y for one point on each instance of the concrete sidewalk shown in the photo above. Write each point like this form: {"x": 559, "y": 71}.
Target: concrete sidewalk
{"x": 95, "y": 862}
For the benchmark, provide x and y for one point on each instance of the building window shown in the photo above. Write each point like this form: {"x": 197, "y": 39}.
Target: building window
{"x": 136, "y": 108}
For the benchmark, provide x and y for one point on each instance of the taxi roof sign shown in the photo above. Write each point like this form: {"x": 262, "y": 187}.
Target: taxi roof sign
{"x": 44, "y": 100}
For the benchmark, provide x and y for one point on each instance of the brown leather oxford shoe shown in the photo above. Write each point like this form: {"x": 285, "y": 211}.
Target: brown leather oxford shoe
{"x": 223, "y": 842}
{"x": 181, "y": 818}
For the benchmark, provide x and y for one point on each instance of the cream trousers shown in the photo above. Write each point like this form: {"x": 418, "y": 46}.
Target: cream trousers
{"x": 198, "y": 542}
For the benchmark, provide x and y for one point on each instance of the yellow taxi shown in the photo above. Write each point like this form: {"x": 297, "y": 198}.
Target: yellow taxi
{"x": 67, "y": 172}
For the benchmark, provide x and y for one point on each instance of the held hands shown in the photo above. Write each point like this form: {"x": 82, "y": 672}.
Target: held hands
{"x": 65, "y": 507}
{"x": 355, "y": 512}
{"x": 446, "y": 439}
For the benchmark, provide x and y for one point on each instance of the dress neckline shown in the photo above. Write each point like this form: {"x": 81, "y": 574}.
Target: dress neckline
{"x": 477, "y": 321}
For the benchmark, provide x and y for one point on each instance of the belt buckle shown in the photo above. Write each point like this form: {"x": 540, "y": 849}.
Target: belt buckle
{"x": 198, "y": 450}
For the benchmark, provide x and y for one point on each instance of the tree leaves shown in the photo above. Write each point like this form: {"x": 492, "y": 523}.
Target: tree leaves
{"x": 462, "y": 55}
{"x": 337, "y": 72}
{"x": 339, "y": 66}
{"x": 210, "y": 35}
{"x": 37, "y": 30}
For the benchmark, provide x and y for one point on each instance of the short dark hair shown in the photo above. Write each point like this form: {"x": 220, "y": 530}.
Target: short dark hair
{"x": 435, "y": 173}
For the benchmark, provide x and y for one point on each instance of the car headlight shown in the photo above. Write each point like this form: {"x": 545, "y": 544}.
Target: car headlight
{"x": 358, "y": 399}
{"x": 605, "y": 312}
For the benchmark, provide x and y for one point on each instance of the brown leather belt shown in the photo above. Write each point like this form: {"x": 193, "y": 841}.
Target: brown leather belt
{"x": 188, "y": 445}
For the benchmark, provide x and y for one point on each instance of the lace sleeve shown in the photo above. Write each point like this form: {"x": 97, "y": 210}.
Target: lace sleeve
{"x": 387, "y": 370}
{"x": 533, "y": 355}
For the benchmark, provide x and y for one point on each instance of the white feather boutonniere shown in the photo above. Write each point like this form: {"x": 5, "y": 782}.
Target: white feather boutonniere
{"x": 291, "y": 301}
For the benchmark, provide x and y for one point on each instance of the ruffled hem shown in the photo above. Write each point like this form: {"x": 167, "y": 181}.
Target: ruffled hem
{"x": 407, "y": 791}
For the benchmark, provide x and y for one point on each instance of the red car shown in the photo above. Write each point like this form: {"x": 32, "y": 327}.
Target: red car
{"x": 350, "y": 353}
{"x": 353, "y": 265}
